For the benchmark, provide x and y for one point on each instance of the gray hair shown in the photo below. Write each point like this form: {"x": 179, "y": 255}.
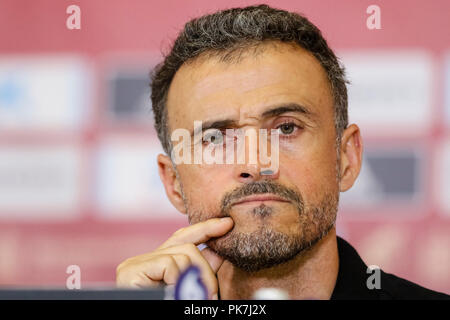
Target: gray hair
{"x": 226, "y": 34}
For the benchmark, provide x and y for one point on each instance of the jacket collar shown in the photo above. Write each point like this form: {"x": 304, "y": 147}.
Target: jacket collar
{"x": 352, "y": 275}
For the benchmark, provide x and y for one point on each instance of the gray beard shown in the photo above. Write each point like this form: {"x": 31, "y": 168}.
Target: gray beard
{"x": 267, "y": 247}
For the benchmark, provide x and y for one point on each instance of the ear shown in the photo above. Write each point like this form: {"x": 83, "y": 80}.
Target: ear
{"x": 351, "y": 156}
{"x": 171, "y": 184}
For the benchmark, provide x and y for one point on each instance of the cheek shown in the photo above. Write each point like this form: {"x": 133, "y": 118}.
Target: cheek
{"x": 313, "y": 173}
{"x": 204, "y": 186}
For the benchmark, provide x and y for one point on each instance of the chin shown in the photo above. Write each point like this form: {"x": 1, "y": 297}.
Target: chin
{"x": 257, "y": 250}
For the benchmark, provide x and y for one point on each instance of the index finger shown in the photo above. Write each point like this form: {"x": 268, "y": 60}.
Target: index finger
{"x": 200, "y": 232}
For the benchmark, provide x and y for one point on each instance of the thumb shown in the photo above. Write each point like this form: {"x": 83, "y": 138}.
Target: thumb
{"x": 214, "y": 260}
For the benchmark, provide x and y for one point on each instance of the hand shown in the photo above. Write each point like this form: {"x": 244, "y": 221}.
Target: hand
{"x": 164, "y": 265}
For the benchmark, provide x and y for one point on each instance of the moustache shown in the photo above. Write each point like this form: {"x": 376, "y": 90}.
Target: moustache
{"x": 260, "y": 187}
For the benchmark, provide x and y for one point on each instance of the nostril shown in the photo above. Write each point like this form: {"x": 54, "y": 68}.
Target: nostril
{"x": 245, "y": 175}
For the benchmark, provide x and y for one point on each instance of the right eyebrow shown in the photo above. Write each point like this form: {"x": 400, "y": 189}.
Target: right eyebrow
{"x": 216, "y": 124}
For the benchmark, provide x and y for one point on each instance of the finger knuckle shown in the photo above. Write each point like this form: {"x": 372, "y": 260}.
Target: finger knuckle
{"x": 189, "y": 247}
{"x": 166, "y": 259}
{"x": 183, "y": 258}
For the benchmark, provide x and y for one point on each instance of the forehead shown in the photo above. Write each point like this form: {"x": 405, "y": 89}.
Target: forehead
{"x": 208, "y": 87}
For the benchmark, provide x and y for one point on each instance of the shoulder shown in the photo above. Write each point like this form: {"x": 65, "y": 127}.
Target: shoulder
{"x": 352, "y": 279}
{"x": 393, "y": 287}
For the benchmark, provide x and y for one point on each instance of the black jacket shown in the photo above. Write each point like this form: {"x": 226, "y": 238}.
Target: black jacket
{"x": 352, "y": 281}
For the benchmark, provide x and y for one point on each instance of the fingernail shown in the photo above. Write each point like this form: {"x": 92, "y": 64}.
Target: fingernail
{"x": 215, "y": 296}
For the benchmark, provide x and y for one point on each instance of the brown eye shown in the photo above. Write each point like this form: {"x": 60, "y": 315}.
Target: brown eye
{"x": 286, "y": 128}
{"x": 213, "y": 136}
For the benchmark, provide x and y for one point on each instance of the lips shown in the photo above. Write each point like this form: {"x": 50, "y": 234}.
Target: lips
{"x": 260, "y": 198}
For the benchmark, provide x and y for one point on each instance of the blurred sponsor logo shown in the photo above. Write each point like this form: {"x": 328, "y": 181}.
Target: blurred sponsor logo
{"x": 390, "y": 91}
{"x": 42, "y": 93}
{"x": 128, "y": 185}
{"x": 443, "y": 177}
{"x": 129, "y": 96}
{"x": 447, "y": 88}
{"x": 387, "y": 176}
{"x": 39, "y": 182}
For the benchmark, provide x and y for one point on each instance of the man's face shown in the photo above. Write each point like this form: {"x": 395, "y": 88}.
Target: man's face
{"x": 278, "y": 215}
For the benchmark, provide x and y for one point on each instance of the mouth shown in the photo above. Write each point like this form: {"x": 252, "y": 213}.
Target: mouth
{"x": 259, "y": 198}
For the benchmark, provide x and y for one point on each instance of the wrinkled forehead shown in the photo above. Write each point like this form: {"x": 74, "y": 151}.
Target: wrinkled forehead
{"x": 207, "y": 88}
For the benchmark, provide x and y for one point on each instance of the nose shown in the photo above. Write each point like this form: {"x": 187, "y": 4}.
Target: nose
{"x": 250, "y": 169}
{"x": 251, "y": 173}
{"x": 248, "y": 173}
{"x": 254, "y": 173}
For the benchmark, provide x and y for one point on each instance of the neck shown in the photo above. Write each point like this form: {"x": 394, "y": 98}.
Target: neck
{"x": 311, "y": 274}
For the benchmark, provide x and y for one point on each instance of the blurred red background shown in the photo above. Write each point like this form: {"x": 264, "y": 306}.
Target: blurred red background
{"x": 78, "y": 179}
